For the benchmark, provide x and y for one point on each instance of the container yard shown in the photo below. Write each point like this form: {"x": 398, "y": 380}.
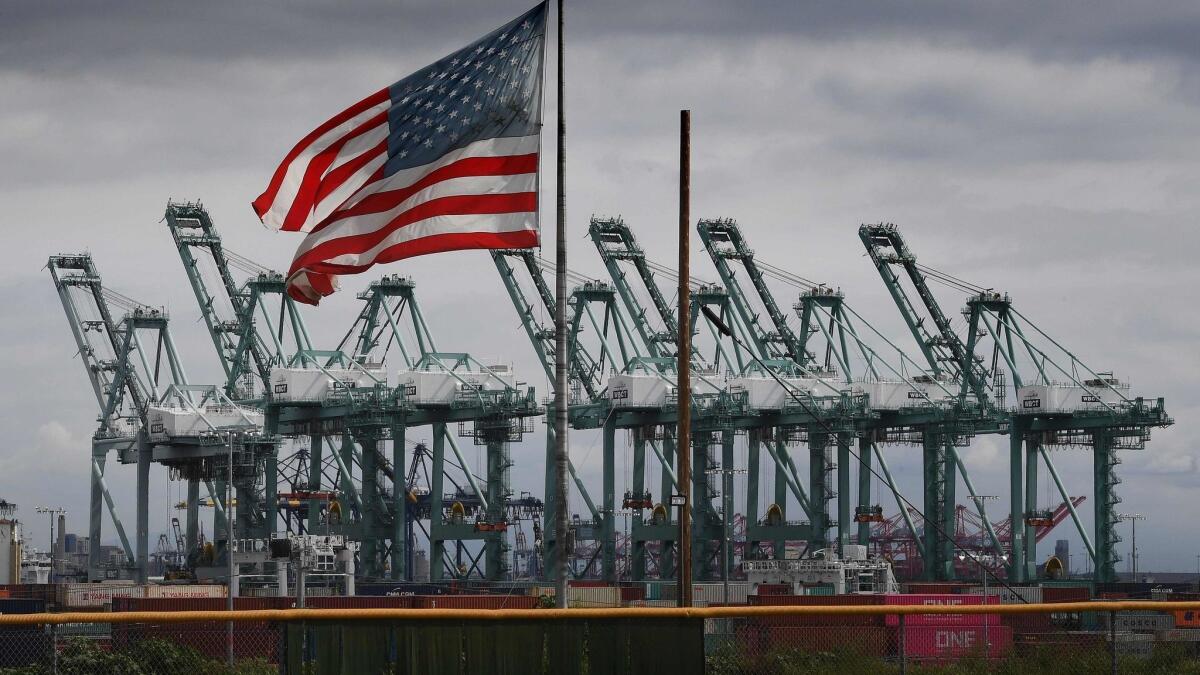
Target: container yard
{"x": 916, "y": 430}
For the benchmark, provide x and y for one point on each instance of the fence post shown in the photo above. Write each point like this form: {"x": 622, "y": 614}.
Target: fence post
{"x": 903, "y": 648}
{"x": 1112, "y": 641}
{"x": 54, "y": 648}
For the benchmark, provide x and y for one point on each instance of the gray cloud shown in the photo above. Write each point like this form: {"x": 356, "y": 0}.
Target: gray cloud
{"x": 1047, "y": 151}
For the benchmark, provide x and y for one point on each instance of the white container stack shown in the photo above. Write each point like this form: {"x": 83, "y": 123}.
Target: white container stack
{"x": 439, "y": 387}
{"x": 638, "y": 390}
{"x": 1065, "y": 398}
{"x": 313, "y": 385}
{"x": 175, "y": 422}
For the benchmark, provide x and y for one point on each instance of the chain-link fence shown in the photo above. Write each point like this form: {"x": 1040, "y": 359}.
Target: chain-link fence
{"x": 1069, "y": 638}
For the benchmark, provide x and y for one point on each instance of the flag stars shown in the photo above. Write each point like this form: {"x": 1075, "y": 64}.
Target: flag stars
{"x": 466, "y": 99}
{"x": 440, "y": 108}
{"x": 453, "y": 114}
{"x": 441, "y": 128}
{"x": 428, "y": 143}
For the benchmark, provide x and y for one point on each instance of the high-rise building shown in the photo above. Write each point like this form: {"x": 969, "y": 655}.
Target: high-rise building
{"x": 1062, "y": 551}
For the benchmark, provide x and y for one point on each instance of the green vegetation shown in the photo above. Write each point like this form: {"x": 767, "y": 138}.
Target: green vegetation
{"x": 85, "y": 657}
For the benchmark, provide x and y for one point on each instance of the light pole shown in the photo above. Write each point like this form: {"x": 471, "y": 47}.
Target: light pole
{"x": 987, "y": 638}
{"x": 726, "y": 525}
{"x": 1133, "y": 518}
{"x": 53, "y": 512}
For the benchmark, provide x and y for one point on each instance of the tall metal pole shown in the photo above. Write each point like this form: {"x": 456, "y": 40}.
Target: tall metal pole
{"x": 684, "y": 366}
{"x": 230, "y": 516}
{"x": 560, "y": 339}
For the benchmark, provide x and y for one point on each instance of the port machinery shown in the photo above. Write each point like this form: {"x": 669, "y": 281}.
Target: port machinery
{"x": 312, "y": 428}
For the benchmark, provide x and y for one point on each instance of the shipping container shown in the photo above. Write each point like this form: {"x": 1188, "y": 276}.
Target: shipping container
{"x": 1066, "y": 594}
{"x": 22, "y": 606}
{"x": 475, "y": 602}
{"x": 705, "y": 593}
{"x": 1013, "y": 595}
{"x": 773, "y": 589}
{"x": 937, "y": 587}
{"x": 1187, "y": 619}
{"x": 818, "y": 619}
{"x": 942, "y": 643}
{"x": 653, "y": 603}
{"x": 938, "y": 600}
{"x": 184, "y": 591}
{"x": 401, "y": 588}
{"x": 632, "y": 593}
{"x": 593, "y": 596}
{"x": 763, "y": 640}
{"x": 1140, "y": 621}
{"x": 361, "y": 602}
{"x": 80, "y": 596}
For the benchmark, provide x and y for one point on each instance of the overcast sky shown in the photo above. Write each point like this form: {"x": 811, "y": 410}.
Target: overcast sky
{"x": 1049, "y": 152}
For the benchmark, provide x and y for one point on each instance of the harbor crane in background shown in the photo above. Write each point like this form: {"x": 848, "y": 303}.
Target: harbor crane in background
{"x": 322, "y": 438}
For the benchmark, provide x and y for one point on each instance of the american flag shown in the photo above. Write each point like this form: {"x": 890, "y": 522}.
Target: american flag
{"x": 445, "y": 159}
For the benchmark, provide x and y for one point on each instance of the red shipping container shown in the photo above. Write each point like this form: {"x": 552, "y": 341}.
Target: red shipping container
{"x": 474, "y": 602}
{"x": 931, "y": 600}
{"x": 1065, "y": 594}
{"x": 632, "y": 593}
{"x": 809, "y": 600}
{"x": 952, "y": 642}
{"x": 360, "y": 602}
{"x": 818, "y": 619}
{"x": 864, "y": 640}
{"x": 774, "y": 589}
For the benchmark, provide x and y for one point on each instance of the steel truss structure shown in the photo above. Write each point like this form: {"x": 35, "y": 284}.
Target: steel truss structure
{"x": 343, "y": 460}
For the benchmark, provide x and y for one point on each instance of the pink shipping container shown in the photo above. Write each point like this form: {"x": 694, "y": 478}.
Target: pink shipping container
{"x": 952, "y": 642}
{"x": 940, "y": 600}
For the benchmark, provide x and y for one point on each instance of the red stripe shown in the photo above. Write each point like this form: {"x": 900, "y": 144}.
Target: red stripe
{"x": 264, "y": 201}
{"x": 455, "y": 205}
{"x": 506, "y": 165}
{"x": 314, "y": 174}
{"x": 436, "y": 243}
{"x": 338, "y": 176}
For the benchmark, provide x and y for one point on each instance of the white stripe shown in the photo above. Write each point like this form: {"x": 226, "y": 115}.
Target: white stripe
{"x": 463, "y": 224}
{"x": 295, "y": 172}
{"x": 466, "y": 185}
{"x": 353, "y": 183}
{"x": 490, "y": 147}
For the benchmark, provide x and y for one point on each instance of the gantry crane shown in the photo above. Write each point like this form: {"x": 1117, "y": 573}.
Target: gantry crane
{"x": 134, "y": 368}
{"x": 1056, "y": 404}
{"x": 926, "y": 414}
{"x": 349, "y": 399}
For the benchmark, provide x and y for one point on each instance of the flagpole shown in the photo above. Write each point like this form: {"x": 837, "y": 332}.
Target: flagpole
{"x": 560, "y": 343}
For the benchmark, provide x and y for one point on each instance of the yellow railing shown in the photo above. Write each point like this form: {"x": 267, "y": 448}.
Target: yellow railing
{"x": 588, "y": 613}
